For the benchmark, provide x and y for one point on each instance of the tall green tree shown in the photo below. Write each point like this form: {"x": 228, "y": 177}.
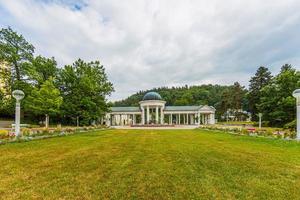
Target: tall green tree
{"x": 276, "y": 102}
{"x": 84, "y": 87}
{"x": 15, "y": 50}
{"x": 261, "y": 78}
{"x": 44, "y": 101}
{"x": 41, "y": 69}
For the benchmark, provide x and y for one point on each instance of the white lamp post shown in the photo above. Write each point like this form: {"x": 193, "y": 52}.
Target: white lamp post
{"x": 259, "y": 115}
{"x": 18, "y": 95}
{"x": 296, "y": 94}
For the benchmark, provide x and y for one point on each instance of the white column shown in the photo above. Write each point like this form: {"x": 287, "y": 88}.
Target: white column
{"x": 199, "y": 118}
{"x": 298, "y": 121}
{"x": 134, "y": 119}
{"x": 156, "y": 114}
{"x": 171, "y": 117}
{"x": 212, "y": 118}
{"x": 107, "y": 119}
{"x": 161, "y": 115}
{"x": 179, "y": 119}
{"x": 143, "y": 116}
{"x": 17, "y": 119}
{"x": 148, "y": 115}
{"x": 187, "y": 118}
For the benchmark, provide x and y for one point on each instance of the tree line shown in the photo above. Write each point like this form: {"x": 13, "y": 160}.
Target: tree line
{"x": 267, "y": 94}
{"x": 70, "y": 94}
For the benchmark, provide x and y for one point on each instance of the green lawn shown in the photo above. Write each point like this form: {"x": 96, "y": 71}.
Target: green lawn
{"x": 151, "y": 164}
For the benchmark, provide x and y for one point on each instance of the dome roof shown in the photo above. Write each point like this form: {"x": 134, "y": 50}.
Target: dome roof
{"x": 296, "y": 93}
{"x": 152, "y": 96}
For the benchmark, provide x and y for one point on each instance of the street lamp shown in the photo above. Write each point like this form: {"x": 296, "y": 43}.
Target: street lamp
{"x": 18, "y": 95}
{"x": 259, "y": 115}
{"x": 296, "y": 94}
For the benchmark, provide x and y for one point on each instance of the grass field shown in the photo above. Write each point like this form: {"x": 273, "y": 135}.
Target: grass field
{"x": 151, "y": 164}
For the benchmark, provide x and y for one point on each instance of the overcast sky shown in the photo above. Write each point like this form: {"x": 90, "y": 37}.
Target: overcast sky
{"x": 151, "y": 43}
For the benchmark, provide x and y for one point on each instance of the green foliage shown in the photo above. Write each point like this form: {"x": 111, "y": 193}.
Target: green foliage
{"x": 291, "y": 125}
{"x": 84, "y": 87}
{"x": 261, "y": 78}
{"x": 15, "y": 50}
{"x": 41, "y": 69}
{"x": 3, "y": 134}
{"x": 276, "y": 102}
{"x": 44, "y": 101}
{"x": 245, "y": 132}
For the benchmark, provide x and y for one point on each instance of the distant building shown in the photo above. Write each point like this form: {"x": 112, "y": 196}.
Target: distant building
{"x": 152, "y": 110}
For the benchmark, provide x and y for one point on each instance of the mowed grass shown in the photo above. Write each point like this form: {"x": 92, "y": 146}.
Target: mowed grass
{"x": 151, "y": 164}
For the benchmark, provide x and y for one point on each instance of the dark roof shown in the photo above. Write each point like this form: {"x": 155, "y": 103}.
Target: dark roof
{"x": 125, "y": 109}
{"x": 182, "y": 108}
{"x": 152, "y": 96}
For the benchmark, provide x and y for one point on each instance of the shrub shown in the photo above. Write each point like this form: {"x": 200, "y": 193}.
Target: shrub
{"x": 263, "y": 124}
{"x": 291, "y": 125}
{"x": 69, "y": 130}
{"x": 26, "y": 132}
{"x": 58, "y": 130}
{"x": 269, "y": 133}
{"x": 293, "y": 134}
{"x": 279, "y": 135}
{"x": 245, "y": 132}
{"x": 4, "y": 134}
{"x": 45, "y": 131}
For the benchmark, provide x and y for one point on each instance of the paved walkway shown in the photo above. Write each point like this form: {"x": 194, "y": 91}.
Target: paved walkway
{"x": 175, "y": 127}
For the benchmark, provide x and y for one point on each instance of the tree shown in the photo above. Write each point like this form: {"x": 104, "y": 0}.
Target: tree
{"x": 44, "y": 101}
{"x": 84, "y": 87}
{"x": 261, "y": 78}
{"x": 15, "y": 50}
{"x": 276, "y": 102}
{"x": 41, "y": 69}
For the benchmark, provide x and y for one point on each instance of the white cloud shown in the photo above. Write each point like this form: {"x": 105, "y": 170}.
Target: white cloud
{"x": 145, "y": 44}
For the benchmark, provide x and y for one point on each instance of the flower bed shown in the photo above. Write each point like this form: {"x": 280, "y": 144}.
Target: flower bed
{"x": 274, "y": 133}
{"x": 28, "y": 134}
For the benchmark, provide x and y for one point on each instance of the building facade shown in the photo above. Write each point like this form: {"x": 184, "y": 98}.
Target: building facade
{"x": 153, "y": 111}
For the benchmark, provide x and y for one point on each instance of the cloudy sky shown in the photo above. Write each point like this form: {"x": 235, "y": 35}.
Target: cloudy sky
{"x": 151, "y": 43}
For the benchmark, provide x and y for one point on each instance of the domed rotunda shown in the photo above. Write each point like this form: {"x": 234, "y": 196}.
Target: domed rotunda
{"x": 152, "y": 111}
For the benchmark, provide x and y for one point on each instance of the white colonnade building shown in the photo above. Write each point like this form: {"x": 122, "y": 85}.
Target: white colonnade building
{"x": 152, "y": 110}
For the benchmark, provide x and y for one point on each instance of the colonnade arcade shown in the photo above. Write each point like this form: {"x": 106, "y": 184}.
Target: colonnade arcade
{"x": 161, "y": 117}
{"x": 152, "y": 110}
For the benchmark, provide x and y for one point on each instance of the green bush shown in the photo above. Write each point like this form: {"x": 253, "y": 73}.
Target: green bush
{"x": 245, "y": 132}
{"x": 4, "y": 134}
{"x": 269, "y": 133}
{"x": 45, "y": 131}
{"x": 263, "y": 124}
{"x": 291, "y": 125}
{"x": 58, "y": 130}
{"x": 26, "y": 132}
